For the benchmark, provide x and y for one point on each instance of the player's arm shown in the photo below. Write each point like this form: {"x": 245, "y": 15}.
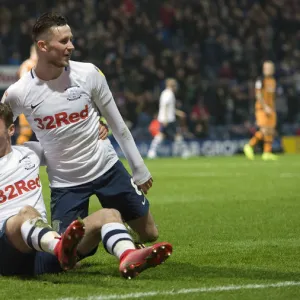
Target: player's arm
{"x": 104, "y": 100}
{"x": 179, "y": 113}
{"x": 259, "y": 96}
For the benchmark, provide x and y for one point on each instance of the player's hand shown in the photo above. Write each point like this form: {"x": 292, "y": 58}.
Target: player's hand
{"x": 268, "y": 110}
{"x": 103, "y": 131}
{"x": 146, "y": 186}
{"x": 182, "y": 115}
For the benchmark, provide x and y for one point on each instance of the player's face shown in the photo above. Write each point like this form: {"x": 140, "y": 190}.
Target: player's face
{"x": 5, "y": 137}
{"x": 174, "y": 86}
{"x": 268, "y": 69}
{"x": 60, "y": 46}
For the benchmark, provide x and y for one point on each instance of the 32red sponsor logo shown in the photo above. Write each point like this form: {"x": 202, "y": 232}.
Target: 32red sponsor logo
{"x": 19, "y": 188}
{"x": 62, "y": 118}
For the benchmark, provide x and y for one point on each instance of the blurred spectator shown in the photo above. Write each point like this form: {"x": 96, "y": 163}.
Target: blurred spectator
{"x": 199, "y": 117}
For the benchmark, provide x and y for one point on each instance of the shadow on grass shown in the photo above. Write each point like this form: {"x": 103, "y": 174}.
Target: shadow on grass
{"x": 107, "y": 274}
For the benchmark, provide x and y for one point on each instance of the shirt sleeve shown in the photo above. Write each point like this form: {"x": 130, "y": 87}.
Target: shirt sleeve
{"x": 102, "y": 97}
{"x": 37, "y": 148}
{"x": 12, "y": 98}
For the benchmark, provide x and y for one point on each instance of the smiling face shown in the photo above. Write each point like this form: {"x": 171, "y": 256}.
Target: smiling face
{"x": 56, "y": 47}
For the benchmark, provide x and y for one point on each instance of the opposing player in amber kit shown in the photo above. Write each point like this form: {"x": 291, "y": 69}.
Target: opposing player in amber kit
{"x": 265, "y": 114}
{"x": 25, "y": 129}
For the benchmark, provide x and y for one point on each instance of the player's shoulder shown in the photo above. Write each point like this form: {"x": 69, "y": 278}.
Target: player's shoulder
{"x": 84, "y": 68}
{"x": 24, "y": 152}
{"x": 25, "y": 157}
{"x": 14, "y": 91}
{"x": 167, "y": 93}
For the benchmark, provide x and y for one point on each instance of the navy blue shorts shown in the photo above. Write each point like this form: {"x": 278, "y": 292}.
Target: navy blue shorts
{"x": 114, "y": 189}
{"x": 14, "y": 262}
{"x": 169, "y": 131}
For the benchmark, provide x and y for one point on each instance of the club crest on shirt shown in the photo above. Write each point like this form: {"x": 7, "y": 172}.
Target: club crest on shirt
{"x": 74, "y": 92}
{"x": 28, "y": 164}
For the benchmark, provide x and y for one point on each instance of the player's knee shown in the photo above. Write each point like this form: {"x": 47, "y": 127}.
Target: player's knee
{"x": 111, "y": 215}
{"x": 101, "y": 217}
{"x": 28, "y": 212}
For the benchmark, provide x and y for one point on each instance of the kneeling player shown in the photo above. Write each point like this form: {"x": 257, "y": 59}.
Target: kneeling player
{"x": 28, "y": 245}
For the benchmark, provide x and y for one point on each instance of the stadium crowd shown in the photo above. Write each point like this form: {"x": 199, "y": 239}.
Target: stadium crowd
{"x": 214, "y": 49}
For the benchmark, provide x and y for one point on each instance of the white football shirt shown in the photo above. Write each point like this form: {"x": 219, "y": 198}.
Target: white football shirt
{"x": 167, "y": 107}
{"x": 20, "y": 183}
{"x": 64, "y": 114}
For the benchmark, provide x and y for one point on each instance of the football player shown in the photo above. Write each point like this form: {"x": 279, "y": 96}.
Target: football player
{"x": 265, "y": 114}
{"x": 167, "y": 118}
{"x": 61, "y": 100}
{"x": 29, "y": 246}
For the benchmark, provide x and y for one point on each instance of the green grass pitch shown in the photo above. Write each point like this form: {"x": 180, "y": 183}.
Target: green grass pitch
{"x": 234, "y": 225}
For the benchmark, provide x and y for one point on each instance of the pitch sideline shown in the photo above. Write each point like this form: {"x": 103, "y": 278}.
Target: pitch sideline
{"x": 187, "y": 291}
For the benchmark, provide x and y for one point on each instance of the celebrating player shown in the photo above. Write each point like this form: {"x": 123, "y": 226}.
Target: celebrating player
{"x": 61, "y": 100}
{"x": 25, "y": 130}
{"x": 265, "y": 113}
{"x": 167, "y": 118}
{"x": 26, "y": 238}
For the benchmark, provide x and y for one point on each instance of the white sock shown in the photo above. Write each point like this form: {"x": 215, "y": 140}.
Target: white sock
{"x": 155, "y": 143}
{"x": 116, "y": 239}
{"x": 38, "y": 235}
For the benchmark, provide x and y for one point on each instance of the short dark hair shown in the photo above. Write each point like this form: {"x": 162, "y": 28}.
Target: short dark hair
{"x": 45, "y": 22}
{"x": 6, "y": 114}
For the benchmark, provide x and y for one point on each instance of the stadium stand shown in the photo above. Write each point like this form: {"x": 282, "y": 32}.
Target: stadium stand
{"x": 213, "y": 48}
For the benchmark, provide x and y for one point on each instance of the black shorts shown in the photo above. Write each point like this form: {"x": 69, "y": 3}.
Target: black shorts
{"x": 14, "y": 262}
{"x": 114, "y": 189}
{"x": 169, "y": 131}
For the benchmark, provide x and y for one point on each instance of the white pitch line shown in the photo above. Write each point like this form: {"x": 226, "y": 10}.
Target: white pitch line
{"x": 288, "y": 175}
{"x": 188, "y": 291}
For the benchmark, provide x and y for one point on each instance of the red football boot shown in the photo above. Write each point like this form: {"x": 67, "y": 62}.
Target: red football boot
{"x": 66, "y": 248}
{"x": 136, "y": 261}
